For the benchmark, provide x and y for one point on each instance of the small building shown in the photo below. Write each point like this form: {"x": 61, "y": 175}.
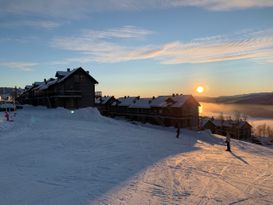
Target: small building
{"x": 236, "y": 129}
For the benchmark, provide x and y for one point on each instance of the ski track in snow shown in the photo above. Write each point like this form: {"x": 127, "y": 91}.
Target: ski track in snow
{"x": 56, "y": 157}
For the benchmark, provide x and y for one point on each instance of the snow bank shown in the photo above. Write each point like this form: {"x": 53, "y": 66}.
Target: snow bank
{"x": 90, "y": 114}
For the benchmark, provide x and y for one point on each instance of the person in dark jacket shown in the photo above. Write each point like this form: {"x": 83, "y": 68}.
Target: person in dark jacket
{"x": 177, "y": 131}
{"x": 228, "y": 142}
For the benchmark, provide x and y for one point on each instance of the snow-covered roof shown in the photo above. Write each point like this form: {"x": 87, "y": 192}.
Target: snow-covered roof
{"x": 179, "y": 100}
{"x": 27, "y": 87}
{"x": 243, "y": 123}
{"x": 114, "y": 103}
{"x": 62, "y": 73}
{"x": 69, "y": 73}
{"x": 97, "y": 100}
{"x": 44, "y": 86}
{"x": 142, "y": 103}
{"x": 105, "y": 99}
{"x": 37, "y": 83}
{"x": 127, "y": 101}
{"x": 160, "y": 101}
{"x": 102, "y": 100}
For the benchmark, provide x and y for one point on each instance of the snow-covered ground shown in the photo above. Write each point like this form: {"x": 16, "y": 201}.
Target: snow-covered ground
{"x": 59, "y": 157}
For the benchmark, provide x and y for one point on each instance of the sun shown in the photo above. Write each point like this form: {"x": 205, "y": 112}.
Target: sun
{"x": 200, "y": 89}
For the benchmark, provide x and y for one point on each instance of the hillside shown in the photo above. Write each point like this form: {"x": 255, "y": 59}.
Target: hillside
{"x": 253, "y": 98}
{"x": 56, "y": 156}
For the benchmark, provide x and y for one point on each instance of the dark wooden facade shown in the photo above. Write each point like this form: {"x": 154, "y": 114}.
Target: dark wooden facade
{"x": 179, "y": 110}
{"x": 71, "y": 89}
{"x": 236, "y": 129}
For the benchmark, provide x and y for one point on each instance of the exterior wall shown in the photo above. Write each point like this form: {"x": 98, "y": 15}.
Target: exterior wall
{"x": 77, "y": 91}
{"x": 184, "y": 117}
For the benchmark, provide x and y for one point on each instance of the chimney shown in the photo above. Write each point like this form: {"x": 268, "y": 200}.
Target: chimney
{"x": 45, "y": 81}
{"x": 68, "y": 69}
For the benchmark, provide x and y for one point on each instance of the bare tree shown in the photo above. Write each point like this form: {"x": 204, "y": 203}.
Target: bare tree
{"x": 221, "y": 116}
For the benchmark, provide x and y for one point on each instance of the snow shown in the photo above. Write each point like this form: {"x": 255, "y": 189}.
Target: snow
{"x": 160, "y": 101}
{"x": 56, "y": 156}
{"x": 142, "y": 103}
{"x": 180, "y": 100}
{"x": 127, "y": 101}
{"x": 44, "y": 86}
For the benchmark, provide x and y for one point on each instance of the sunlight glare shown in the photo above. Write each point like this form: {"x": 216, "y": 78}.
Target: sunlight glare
{"x": 200, "y": 89}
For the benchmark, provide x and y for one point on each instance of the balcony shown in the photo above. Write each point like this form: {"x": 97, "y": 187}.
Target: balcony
{"x": 65, "y": 93}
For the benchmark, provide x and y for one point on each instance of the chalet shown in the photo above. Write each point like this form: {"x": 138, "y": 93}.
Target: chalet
{"x": 176, "y": 110}
{"x": 70, "y": 89}
{"x": 236, "y": 129}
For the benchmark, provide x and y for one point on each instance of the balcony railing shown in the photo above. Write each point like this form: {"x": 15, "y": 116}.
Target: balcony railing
{"x": 62, "y": 93}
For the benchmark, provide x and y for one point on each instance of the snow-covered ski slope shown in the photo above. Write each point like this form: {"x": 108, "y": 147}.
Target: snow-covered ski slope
{"x": 56, "y": 157}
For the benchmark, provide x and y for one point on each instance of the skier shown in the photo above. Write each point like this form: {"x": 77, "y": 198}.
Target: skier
{"x": 7, "y": 115}
{"x": 177, "y": 131}
{"x": 228, "y": 142}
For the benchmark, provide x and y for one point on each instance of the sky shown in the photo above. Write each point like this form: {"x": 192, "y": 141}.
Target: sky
{"x": 141, "y": 47}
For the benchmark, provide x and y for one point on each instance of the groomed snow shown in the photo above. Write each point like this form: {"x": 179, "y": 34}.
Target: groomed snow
{"x": 55, "y": 156}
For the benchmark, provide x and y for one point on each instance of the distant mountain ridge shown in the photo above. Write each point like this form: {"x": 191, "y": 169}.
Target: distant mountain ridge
{"x": 265, "y": 98}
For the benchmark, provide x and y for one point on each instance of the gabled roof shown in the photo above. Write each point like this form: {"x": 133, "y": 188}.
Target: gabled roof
{"x": 46, "y": 85}
{"x": 160, "y": 101}
{"x": 219, "y": 123}
{"x": 97, "y": 100}
{"x": 75, "y": 70}
{"x": 27, "y": 87}
{"x": 37, "y": 83}
{"x": 105, "y": 99}
{"x": 61, "y": 73}
{"x": 65, "y": 75}
{"x": 243, "y": 123}
{"x": 127, "y": 101}
{"x": 180, "y": 100}
{"x": 228, "y": 123}
{"x": 142, "y": 103}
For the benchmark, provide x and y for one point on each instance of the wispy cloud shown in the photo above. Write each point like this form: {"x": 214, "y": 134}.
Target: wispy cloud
{"x": 256, "y": 46}
{"x": 45, "y": 24}
{"x": 25, "y": 66}
{"x": 222, "y": 5}
{"x": 76, "y": 9}
{"x": 122, "y": 32}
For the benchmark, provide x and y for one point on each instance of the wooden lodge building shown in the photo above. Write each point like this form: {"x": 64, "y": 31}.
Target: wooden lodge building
{"x": 70, "y": 89}
{"x": 175, "y": 110}
{"x": 237, "y": 129}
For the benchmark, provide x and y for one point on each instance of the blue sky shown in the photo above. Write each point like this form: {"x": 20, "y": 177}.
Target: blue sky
{"x": 141, "y": 47}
